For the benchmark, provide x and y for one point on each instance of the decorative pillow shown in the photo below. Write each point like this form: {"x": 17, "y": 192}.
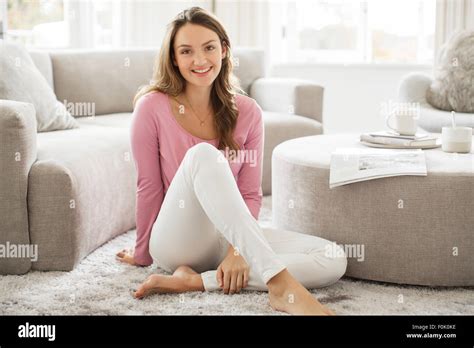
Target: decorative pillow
{"x": 453, "y": 85}
{"x": 22, "y": 81}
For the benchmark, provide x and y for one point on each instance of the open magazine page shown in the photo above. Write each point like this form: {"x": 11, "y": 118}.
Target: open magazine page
{"x": 350, "y": 165}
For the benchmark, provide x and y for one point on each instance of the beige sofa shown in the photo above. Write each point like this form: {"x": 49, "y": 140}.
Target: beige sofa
{"x": 73, "y": 190}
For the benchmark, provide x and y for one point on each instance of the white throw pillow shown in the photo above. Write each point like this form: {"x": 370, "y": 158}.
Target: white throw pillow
{"x": 22, "y": 81}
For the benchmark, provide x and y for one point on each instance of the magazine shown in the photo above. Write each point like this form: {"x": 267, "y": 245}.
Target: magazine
{"x": 350, "y": 165}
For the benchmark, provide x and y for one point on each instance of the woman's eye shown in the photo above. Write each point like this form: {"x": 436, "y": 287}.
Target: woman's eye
{"x": 209, "y": 48}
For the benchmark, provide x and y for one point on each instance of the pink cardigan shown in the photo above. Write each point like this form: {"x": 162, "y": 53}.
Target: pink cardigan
{"x": 159, "y": 143}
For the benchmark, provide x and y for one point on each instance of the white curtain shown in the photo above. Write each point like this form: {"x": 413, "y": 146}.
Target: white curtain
{"x": 451, "y": 16}
{"x": 140, "y": 23}
{"x": 79, "y": 17}
{"x": 143, "y": 23}
{"x": 253, "y": 24}
{"x": 245, "y": 21}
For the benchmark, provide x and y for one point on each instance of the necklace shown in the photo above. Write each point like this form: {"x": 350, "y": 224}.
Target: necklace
{"x": 201, "y": 122}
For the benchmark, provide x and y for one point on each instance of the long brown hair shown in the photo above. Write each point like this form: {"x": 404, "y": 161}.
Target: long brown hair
{"x": 167, "y": 78}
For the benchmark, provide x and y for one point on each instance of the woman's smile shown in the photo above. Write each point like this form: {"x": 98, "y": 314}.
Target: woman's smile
{"x": 201, "y": 72}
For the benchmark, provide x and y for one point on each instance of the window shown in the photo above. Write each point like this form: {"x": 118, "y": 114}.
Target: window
{"x": 364, "y": 31}
{"x": 37, "y": 22}
{"x": 92, "y": 23}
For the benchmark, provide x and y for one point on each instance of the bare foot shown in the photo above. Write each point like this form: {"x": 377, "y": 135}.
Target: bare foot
{"x": 299, "y": 301}
{"x": 183, "y": 279}
{"x": 296, "y": 299}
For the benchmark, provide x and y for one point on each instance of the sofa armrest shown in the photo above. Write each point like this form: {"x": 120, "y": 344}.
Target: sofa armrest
{"x": 412, "y": 89}
{"x": 300, "y": 97}
{"x": 17, "y": 154}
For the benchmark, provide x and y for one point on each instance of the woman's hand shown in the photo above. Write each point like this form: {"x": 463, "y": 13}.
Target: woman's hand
{"x": 233, "y": 272}
{"x": 126, "y": 256}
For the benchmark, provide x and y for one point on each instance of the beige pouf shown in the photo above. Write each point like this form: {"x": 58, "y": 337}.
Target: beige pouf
{"x": 404, "y": 229}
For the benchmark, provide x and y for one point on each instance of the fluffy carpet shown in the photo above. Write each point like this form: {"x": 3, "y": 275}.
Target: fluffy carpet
{"x": 102, "y": 285}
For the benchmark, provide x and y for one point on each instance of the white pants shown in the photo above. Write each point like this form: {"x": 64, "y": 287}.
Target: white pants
{"x": 203, "y": 211}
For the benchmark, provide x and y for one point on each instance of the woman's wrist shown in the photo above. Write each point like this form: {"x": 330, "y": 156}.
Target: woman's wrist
{"x": 231, "y": 250}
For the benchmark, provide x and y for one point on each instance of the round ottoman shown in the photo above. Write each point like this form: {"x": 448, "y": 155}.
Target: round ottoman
{"x": 404, "y": 229}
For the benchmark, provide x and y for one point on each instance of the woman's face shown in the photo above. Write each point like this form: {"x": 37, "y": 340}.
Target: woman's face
{"x": 198, "y": 54}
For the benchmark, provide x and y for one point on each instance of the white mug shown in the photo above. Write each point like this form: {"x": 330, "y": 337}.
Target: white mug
{"x": 457, "y": 139}
{"x": 404, "y": 124}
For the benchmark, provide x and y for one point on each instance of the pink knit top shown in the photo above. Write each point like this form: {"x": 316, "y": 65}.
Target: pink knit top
{"x": 159, "y": 143}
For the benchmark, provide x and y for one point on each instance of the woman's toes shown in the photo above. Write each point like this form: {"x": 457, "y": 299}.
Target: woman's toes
{"x": 152, "y": 282}
{"x": 138, "y": 293}
{"x": 329, "y": 312}
{"x": 142, "y": 291}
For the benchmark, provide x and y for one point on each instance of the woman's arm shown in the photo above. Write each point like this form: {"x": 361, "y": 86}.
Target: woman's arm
{"x": 250, "y": 175}
{"x": 145, "y": 150}
{"x": 232, "y": 273}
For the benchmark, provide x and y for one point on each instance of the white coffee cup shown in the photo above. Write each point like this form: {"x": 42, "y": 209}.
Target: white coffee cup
{"x": 456, "y": 139}
{"x": 404, "y": 124}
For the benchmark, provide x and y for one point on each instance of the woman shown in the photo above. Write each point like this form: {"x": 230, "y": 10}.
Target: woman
{"x": 197, "y": 209}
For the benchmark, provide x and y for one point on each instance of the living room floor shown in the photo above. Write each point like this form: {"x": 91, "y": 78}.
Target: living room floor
{"x": 100, "y": 285}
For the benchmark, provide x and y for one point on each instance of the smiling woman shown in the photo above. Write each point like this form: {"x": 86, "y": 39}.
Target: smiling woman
{"x": 199, "y": 65}
{"x": 195, "y": 66}
{"x": 197, "y": 210}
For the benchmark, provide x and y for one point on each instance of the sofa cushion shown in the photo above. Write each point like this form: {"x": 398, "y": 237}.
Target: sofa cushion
{"x": 22, "y": 81}
{"x": 120, "y": 120}
{"x": 109, "y": 79}
{"x": 81, "y": 177}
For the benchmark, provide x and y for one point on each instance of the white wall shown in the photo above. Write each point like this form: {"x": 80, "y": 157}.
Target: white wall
{"x": 354, "y": 94}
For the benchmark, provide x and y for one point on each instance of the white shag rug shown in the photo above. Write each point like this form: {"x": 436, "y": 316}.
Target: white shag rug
{"x": 100, "y": 285}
